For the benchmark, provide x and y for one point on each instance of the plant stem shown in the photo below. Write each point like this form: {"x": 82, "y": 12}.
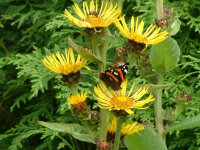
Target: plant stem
{"x": 158, "y": 106}
{"x": 103, "y": 125}
{"x": 159, "y": 9}
{"x": 103, "y": 116}
{"x": 74, "y": 88}
{"x": 118, "y": 134}
{"x": 160, "y": 77}
{"x": 4, "y": 47}
{"x": 103, "y": 45}
{"x": 102, "y": 49}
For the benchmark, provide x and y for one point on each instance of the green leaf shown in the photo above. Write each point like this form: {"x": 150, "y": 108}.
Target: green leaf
{"x": 175, "y": 27}
{"x": 185, "y": 124}
{"x": 84, "y": 52}
{"x": 165, "y": 55}
{"x": 147, "y": 139}
{"x": 76, "y": 130}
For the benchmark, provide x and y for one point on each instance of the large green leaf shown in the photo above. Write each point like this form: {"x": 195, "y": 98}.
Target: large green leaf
{"x": 147, "y": 139}
{"x": 84, "y": 52}
{"x": 76, "y": 130}
{"x": 185, "y": 124}
{"x": 165, "y": 55}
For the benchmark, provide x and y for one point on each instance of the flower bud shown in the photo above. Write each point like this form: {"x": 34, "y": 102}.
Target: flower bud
{"x": 185, "y": 96}
{"x": 95, "y": 117}
{"x": 169, "y": 13}
{"x": 183, "y": 99}
{"x": 145, "y": 68}
{"x": 120, "y": 56}
{"x": 170, "y": 115}
{"x": 161, "y": 22}
{"x": 104, "y": 146}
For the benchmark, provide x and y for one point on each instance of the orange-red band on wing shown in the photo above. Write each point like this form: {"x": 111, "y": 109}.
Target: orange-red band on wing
{"x": 110, "y": 74}
{"x": 121, "y": 74}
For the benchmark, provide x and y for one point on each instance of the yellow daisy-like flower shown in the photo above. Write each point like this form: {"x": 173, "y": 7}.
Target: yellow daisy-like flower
{"x": 64, "y": 65}
{"x": 78, "y": 101}
{"x": 135, "y": 33}
{"x": 120, "y": 100}
{"x": 91, "y": 17}
{"x": 127, "y": 128}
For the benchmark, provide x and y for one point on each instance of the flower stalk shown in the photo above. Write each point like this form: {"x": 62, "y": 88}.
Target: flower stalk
{"x": 160, "y": 78}
{"x": 99, "y": 48}
{"x": 158, "y": 106}
{"x": 159, "y": 9}
{"x": 103, "y": 112}
{"x": 118, "y": 133}
{"x": 74, "y": 88}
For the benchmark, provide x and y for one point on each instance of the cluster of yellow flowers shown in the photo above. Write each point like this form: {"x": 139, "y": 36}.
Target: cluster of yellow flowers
{"x": 94, "y": 18}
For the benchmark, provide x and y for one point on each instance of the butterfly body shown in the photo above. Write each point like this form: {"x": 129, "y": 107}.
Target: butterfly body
{"x": 114, "y": 77}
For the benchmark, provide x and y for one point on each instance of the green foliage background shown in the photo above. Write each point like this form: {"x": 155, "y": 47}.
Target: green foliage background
{"x": 29, "y": 92}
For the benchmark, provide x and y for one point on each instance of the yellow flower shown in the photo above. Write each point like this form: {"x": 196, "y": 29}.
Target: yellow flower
{"x": 64, "y": 65}
{"x": 91, "y": 17}
{"x": 127, "y": 128}
{"x": 135, "y": 33}
{"x": 78, "y": 101}
{"x": 120, "y": 100}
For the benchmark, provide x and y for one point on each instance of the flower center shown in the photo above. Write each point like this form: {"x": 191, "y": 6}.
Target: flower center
{"x": 95, "y": 21}
{"x": 121, "y": 102}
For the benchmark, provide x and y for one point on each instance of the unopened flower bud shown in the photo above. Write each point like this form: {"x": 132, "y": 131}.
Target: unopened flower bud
{"x": 104, "y": 146}
{"x": 145, "y": 68}
{"x": 185, "y": 96}
{"x": 95, "y": 117}
{"x": 183, "y": 99}
{"x": 169, "y": 13}
{"x": 120, "y": 56}
{"x": 142, "y": 60}
{"x": 161, "y": 22}
{"x": 170, "y": 115}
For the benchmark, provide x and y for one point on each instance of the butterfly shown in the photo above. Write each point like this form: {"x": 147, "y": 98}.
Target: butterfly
{"x": 113, "y": 77}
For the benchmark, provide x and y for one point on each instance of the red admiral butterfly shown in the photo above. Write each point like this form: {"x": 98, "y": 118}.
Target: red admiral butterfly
{"x": 114, "y": 77}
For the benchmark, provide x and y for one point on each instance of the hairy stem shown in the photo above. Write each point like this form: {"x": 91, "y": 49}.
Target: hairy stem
{"x": 74, "y": 88}
{"x": 159, "y": 9}
{"x": 103, "y": 45}
{"x": 158, "y": 106}
{"x": 103, "y": 116}
{"x": 118, "y": 134}
{"x": 103, "y": 113}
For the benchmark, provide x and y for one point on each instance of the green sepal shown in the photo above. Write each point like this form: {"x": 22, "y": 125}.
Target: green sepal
{"x": 165, "y": 56}
{"x": 76, "y": 130}
{"x": 146, "y": 139}
{"x": 84, "y": 52}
